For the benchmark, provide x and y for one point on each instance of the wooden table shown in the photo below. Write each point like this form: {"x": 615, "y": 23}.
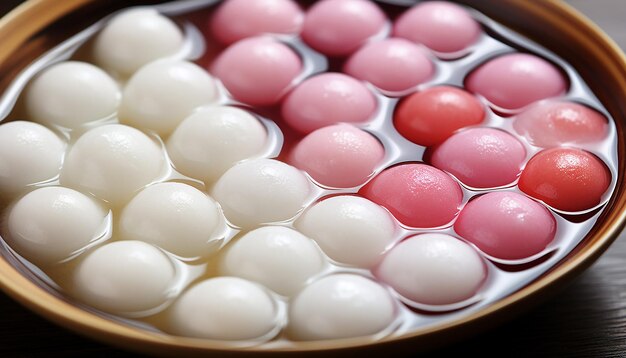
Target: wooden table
{"x": 588, "y": 319}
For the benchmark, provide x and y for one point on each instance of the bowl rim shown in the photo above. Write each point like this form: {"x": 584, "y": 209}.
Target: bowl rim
{"x": 33, "y": 15}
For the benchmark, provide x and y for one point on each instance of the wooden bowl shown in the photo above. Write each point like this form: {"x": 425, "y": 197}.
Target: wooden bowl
{"x": 37, "y": 25}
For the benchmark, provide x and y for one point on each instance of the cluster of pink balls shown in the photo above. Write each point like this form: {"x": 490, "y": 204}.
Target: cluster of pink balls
{"x": 394, "y": 58}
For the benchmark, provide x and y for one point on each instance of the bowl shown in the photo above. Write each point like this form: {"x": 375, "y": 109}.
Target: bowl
{"x": 36, "y": 26}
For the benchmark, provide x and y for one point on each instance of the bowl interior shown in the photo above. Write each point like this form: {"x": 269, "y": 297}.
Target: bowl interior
{"x": 602, "y": 66}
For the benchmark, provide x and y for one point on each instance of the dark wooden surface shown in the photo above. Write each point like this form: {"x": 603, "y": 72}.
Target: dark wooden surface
{"x": 587, "y": 319}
